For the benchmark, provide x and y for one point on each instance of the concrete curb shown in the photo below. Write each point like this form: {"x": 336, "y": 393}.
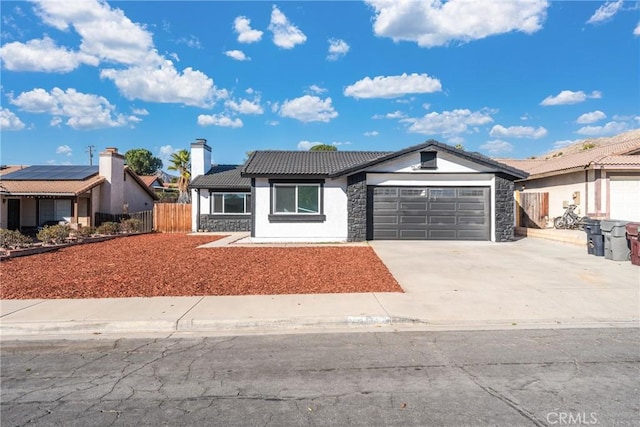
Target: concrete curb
{"x": 16, "y": 330}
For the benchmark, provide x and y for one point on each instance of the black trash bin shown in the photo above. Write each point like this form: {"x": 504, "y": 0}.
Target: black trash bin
{"x": 595, "y": 238}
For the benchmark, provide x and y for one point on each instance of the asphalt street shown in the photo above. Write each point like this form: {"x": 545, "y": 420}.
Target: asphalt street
{"x": 504, "y": 378}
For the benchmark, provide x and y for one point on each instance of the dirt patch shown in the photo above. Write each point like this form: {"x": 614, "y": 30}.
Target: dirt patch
{"x": 171, "y": 265}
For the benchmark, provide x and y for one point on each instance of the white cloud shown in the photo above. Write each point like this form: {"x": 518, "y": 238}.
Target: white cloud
{"x": 307, "y": 145}
{"x": 497, "y": 147}
{"x": 610, "y": 128}
{"x": 393, "y": 86}
{"x": 636, "y": 31}
{"x": 448, "y": 123}
{"x": 106, "y": 33}
{"x": 308, "y": 108}
{"x": 238, "y": 55}
{"x": 111, "y": 37}
{"x": 245, "y": 106}
{"x": 337, "y": 49}
{"x": 9, "y": 121}
{"x": 371, "y": 133}
{"x": 219, "y": 120}
{"x": 42, "y": 55}
{"x": 192, "y": 42}
{"x": 82, "y": 110}
{"x": 395, "y": 115}
{"x": 564, "y": 143}
{"x": 140, "y": 112}
{"x": 569, "y": 97}
{"x": 165, "y": 153}
{"x": 246, "y": 34}
{"x": 64, "y": 149}
{"x": 455, "y": 140}
{"x": 518, "y": 132}
{"x": 273, "y": 123}
{"x": 438, "y": 23}
{"x": 317, "y": 89}
{"x": 164, "y": 84}
{"x": 591, "y": 117}
{"x": 605, "y": 12}
{"x": 285, "y": 34}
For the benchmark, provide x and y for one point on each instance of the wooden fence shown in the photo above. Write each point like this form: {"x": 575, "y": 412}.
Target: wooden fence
{"x": 145, "y": 218}
{"x": 533, "y": 210}
{"x": 172, "y": 217}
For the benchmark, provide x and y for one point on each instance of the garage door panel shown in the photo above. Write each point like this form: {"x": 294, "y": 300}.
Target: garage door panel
{"x": 473, "y": 207}
{"x": 439, "y": 206}
{"x": 442, "y": 220}
{"x": 386, "y": 219}
{"x": 415, "y": 234}
{"x": 418, "y": 213}
{"x": 422, "y": 219}
{"x": 418, "y": 206}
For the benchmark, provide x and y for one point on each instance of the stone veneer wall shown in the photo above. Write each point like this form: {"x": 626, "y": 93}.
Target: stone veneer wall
{"x": 225, "y": 223}
{"x": 357, "y": 207}
{"x": 505, "y": 207}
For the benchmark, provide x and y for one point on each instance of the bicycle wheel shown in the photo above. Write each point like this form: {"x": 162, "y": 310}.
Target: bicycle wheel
{"x": 559, "y": 223}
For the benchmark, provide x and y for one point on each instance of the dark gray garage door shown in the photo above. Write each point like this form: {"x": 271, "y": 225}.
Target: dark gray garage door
{"x": 431, "y": 213}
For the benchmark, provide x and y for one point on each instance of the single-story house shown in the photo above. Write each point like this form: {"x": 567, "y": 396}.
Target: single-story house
{"x": 600, "y": 176}
{"x": 430, "y": 191}
{"x": 32, "y": 196}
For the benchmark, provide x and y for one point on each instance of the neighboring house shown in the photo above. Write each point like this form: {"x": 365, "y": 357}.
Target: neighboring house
{"x": 431, "y": 191}
{"x": 601, "y": 176}
{"x": 154, "y": 182}
{"x": 32, "y": 196}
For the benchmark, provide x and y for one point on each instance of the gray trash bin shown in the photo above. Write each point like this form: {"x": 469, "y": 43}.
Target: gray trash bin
{"x": 616, "y": 245}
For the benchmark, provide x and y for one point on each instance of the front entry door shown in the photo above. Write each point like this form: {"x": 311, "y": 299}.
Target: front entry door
{"x": 13, "y": 214}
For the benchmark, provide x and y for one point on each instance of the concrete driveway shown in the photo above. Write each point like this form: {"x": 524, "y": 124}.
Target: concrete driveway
{"x": 526, "y": 282}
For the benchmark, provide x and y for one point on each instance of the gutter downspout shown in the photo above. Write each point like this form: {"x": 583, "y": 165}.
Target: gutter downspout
{"x": 198, "y": 211}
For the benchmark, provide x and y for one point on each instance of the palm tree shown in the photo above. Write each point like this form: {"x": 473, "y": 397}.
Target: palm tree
{"x": 181, "y": 163}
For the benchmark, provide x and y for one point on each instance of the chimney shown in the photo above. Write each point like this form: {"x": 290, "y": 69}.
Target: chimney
{"x": 112, "y": 192}
{"x": 200, "y": 157}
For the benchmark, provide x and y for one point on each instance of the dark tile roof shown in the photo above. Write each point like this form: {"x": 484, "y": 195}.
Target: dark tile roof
{"x": 315, "y": 163}
{"x": 435, "y": 146}
{"x": 337, "y": 163}
{"x": 223, "y": 177}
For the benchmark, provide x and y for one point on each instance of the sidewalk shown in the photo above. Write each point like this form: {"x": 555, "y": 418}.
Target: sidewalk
{"x": 530, "y": 283}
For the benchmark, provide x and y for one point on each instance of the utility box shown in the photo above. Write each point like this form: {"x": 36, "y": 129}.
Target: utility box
{"x": 616, "y": 245}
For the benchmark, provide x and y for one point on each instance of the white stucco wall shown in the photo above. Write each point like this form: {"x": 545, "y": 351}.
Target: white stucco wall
{"x": 561, "y": 189}
{"x": 334, "y": 228}
{"x": 410, "y": 163}
{"x": 135, "y": 196}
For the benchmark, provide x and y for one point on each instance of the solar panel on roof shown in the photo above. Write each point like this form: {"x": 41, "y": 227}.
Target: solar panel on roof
{"x": 52, "y": 173}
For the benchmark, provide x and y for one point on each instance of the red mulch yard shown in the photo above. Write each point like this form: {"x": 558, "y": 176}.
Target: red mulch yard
{"x": 170, "y": 265}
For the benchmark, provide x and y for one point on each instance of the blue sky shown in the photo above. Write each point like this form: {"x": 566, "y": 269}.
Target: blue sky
{"x": 507, "y": 79}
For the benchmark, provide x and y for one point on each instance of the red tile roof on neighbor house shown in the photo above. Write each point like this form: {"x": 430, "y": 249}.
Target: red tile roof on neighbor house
{"x": 620, "y": 151}
{"x": 149, "y": 180}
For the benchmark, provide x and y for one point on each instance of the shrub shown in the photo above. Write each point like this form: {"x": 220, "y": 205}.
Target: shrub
{"x": 54, "y": 235}
{"x": 84, "y": 232}
{"x": 13, "y": 239}
{"x": 130, "y": 225}
{"x": 109, "y": 228}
